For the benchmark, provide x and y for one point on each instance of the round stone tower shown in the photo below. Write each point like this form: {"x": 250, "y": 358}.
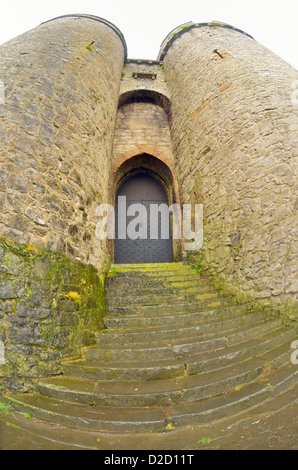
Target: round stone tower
{"x": 58, "y": 103}
{"x": 234, "y": 133}
{"x": 61, "y": 86}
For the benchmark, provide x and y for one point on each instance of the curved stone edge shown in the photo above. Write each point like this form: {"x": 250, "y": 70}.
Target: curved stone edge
{"x": 185, "y": 27}
{"x": 100, "y": 20}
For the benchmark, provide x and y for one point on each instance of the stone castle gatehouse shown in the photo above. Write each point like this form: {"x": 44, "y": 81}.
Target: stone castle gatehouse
{"x": 211, "y": 121}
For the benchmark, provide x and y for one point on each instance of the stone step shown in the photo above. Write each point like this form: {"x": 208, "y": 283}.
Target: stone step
{"x": 20, "y": 433}
{"x": 136, "y": 287}
{"x": 149, "y": 267}
{"x": 181, "y": 363}
{"x": 149, "y": 316}
{"x": 241, "y": 398}
{"x": 155, "y": 275}
{"x": 268, "y": 425}
{"x": 156, "y": 419}
{"x": 156, "y": 309}
{"x": 47, "y": 433}
{"x": 165, "y": 349}
{"x": 221, "y": 319}
{"x": 158, "y": 282}
{"x": 118, "y": 371}
{"x": 156, "y": 334}
{"x": 185, "y": 350}
{"x": 275, "y": 345}
{"x": 202, "y": 311}
{"x": 96, "y": 418}
{"x": 218, "y": 336}
{"x": 135, "y": 393}
{"x": 155, "y": 279}
{"x": 161, "y": 299}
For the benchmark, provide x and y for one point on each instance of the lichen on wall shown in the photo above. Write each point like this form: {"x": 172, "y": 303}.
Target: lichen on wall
{"x": 50, "y": 307}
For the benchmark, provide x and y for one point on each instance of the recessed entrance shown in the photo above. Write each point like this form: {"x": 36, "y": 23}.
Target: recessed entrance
{"x": 142, "y": 221}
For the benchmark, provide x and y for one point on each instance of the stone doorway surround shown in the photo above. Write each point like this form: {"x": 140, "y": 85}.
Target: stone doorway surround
{"x": 130, "y": 164}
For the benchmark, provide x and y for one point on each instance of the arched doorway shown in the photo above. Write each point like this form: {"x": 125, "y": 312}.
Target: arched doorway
{"x": 142, "y": 220}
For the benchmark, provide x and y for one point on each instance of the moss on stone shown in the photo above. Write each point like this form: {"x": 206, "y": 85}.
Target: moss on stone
{"x": 58, "y": 305}
{"x": 74, "y": 295}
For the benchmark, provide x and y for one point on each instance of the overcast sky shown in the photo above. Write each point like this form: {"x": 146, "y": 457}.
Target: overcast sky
{"x": 273, "y": 23}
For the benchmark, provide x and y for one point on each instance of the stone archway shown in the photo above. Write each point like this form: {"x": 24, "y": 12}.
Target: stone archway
{"x": 155, "y": 169}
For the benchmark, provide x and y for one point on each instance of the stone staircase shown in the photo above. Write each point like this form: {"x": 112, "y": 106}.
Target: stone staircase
{"x": 177, "y": 361}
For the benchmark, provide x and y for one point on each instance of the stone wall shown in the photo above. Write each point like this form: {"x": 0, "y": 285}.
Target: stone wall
{"x": 234, "y": 131}
{"x": 144, "y": 113}
{"x": 61, "y": 83}
{"x": 142, "y": 127}
{"x": 50, "y": 307}
{"x": 154, "y": 82}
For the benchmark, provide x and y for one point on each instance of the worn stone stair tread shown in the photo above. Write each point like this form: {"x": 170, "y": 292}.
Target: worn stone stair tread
{"x": 202, "y": 360}
{"x": 276, "y": 331}
{"x": 22, "y": 434}
{"x": 198, "y": 314}
{"x": 199, "y": 361}
{"x": 96, "y": 417}
{"x": 151, "y": 284}
{"x": 138, "y": 321}
{"x": 139, "y": 388}
{"x": 132, "y": 323}
{"x": 155, "y": 272}
{"x": 160, "y": 346}
{"x": 184, "y": 305}
{"x": 138, "y": 276}
{"x": 156, "y": 336}
{"x": 34, "y": 434}
{"x": 255, "y": 391}
{"x": 177, "y": 345}
{"x": 287, "y": 336}
{"x": 130, "y": 394}
{"x": 107, "y": 418}
{"x": 152, "y": 311}
{"x": 39, "y": 435}
{"x": 135, "y": 365}
{"x": 191, "y": 287}
{"x": 255, "y": 395}
{"x": 160, "y": 300}
{"x": 197, "y": 322}
{"x": 132, "y": 370}
{"x": 162, "y": 293}
{"x": 146, "y": 266}
{"x": 157, "y": 276}
{"x": 204, "y": 311}
{"x": 249, "y": 347}
{"x": 151, "y": 267}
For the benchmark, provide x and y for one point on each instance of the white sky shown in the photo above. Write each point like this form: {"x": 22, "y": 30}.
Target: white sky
{"x": 273, "y": 23}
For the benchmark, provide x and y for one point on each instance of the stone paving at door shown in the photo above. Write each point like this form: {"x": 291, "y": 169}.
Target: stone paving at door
{"x": 179, "y": 366}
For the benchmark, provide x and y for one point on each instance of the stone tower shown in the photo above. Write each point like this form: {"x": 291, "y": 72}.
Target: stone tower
{"x": 234, "y": 135}
{"x": 215, "y": 120}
